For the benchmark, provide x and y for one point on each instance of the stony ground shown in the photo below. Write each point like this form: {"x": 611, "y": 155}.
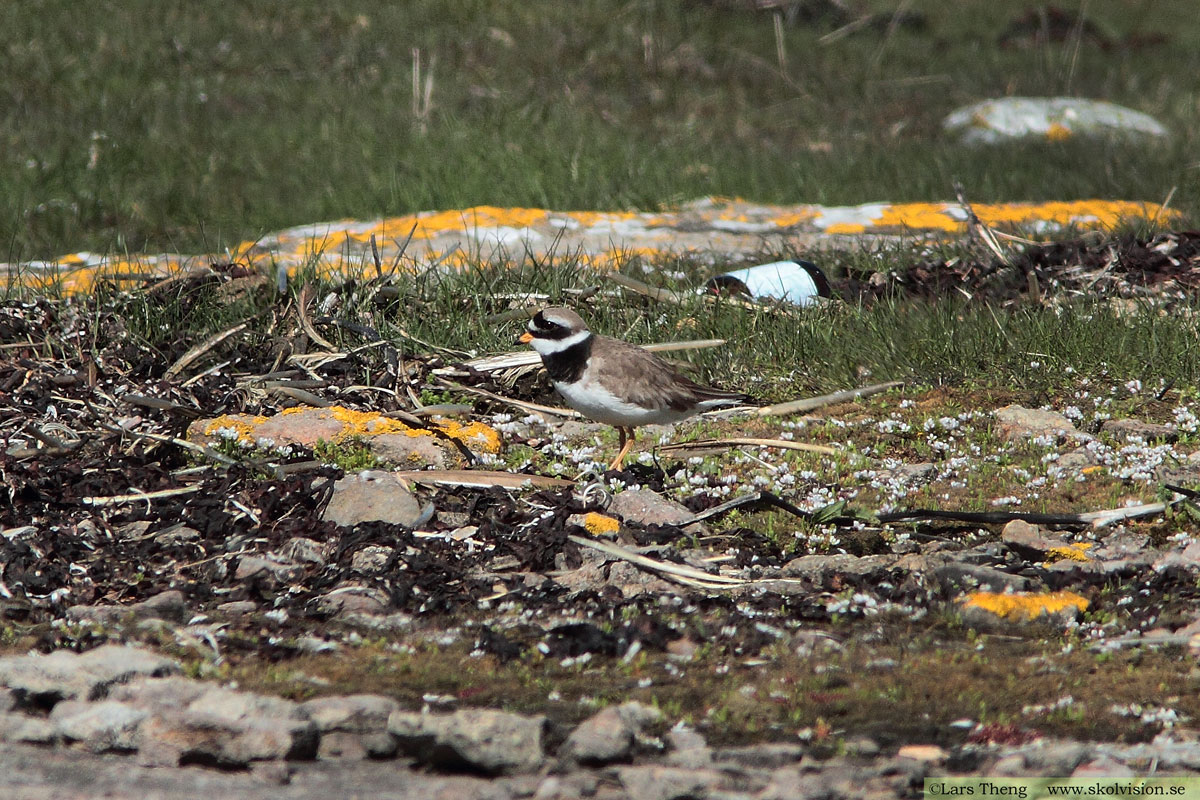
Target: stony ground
{"x": 204, "y": 585}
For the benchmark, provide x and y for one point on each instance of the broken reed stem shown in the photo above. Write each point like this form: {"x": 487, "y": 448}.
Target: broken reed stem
{"x": 136, "y": 496}
{"x": 812, "y": 403}
{"x": 200, "y": 349}
{"x": 704, "y": 444}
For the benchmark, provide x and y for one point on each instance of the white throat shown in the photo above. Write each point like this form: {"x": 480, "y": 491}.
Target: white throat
{"x": 548, "y": 347}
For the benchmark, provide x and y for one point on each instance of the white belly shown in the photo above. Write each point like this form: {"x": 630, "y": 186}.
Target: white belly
{"x": 596, "y": 402}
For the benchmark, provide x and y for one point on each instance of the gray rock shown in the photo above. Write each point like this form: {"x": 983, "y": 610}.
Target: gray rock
{"x": 412, "y": 452}
{"x": 305, "y": 551}
{"x": 192, "y": 722}
{"x": 954, "y": 577}
{"x": 862, "y": 747}
{"x": 1051, "y": 118}
{"x": 33, "y": 772}
{"x": 100, "y": 727}
{"x": 343, "y": 745}
{"x": 760, "y": 756}
{"x": 453, "y": 519}
{"x": 356, "y": 713}
{"x": 232, "y": 705}
{"x": 1077, "y": 459}
{"x": 647, "y": 507}
{"x": 688, "y": 748}
{"x": 176, "y": 535}
{"x": 1012, "y": 765}
{"x": 1102, "y": 767}
{"x": 1187, "y": 559}
{"x": 1055, "y": 757}
{"x": 269, "y": 566}
{"x": 372, "y": 558}
{"x": 356, "y": 746}
{"x": 610, "y": 734}
{"x": 158, "y": 693}
{"x": 41, "y": 681}
{"x": 169, "y": 605}
{"x": 353, "y": 599}
{"x": 373, "y": 495}
{"x": 821, "y": 569}
{"x": 1017, "y": 422}
{"x": 16, "y": 727}
{"x": 238, "y": 608}
{"x": 494, "y": 742}
{"x": 1028, "y": 540}
{"x": 172, "y": 738}
{"x": 1123, "y": 430}
{"x": 796, "y": 783}
{"x": 654, "y": 782}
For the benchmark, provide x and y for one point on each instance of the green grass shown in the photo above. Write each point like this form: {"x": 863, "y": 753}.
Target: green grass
{"x": 773, "y": 356}
{"x": 149, "y": 126}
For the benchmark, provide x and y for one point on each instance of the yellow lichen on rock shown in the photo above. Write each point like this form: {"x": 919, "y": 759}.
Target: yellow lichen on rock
{"x": 1070, "y": 552}
{"x": 600, "y": 524}
{"x": 1025, "y": 606}
{"x": 308, "y": 425}
{"x": 476, "y": 435}
{"x": 242, "y": 426}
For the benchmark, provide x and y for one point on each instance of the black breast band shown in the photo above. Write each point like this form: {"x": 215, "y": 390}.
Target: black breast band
{"x": 567, "y": 365}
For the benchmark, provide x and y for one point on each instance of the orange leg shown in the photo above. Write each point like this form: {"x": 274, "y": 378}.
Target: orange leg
{"x": 625, "y": 445}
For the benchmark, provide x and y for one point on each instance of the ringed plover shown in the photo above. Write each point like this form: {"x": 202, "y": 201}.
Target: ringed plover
{"x": 615, "y": 382}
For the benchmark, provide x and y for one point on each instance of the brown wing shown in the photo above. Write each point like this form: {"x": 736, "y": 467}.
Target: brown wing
{"x": 641, "y": 377}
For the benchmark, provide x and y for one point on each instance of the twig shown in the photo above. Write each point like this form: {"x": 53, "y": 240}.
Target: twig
{"x": 202, "y": 348}
{"x": 301, "y": 396}
{"x": 981, "y": 517}
{"x": 686, "y": 575}
{"x": 521, "y": 404}
{"x": 705, "y": 444}
{"x": 306, "y": 324}
{"x": 137, "y": 495}
{"x": 809, "y": 404}
{"x": 482, "y": 479}
{"x": 645, "y": 289}
{"x": 1102, "y": 519}
{"x": 375, "y": 257}
{"x": 1097, "y": 519}
{"x": 975, "y": 226}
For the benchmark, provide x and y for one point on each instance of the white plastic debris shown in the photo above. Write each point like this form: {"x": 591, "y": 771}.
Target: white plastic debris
{"x": 798, "y": 282}
{"x": 1053, "y": 118}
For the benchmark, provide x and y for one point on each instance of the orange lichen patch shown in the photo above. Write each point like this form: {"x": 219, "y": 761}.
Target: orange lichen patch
{"x": 308, "y": 425}
{"x": 1070, "y": 552}
{"x": 433, "y": 223}
{"x": 1102, "y": 213}
{"x": 244, "y": 428}
{"x": 476, "y": 434}
{"x": 1025, "y": 606}
{"x": 1057, "y": 132}
{"x": 795, "y": 218}
{"x": 460, "y": 238}
{"x": 923, "y": 216}
{"x": 590, "y": 219}
{"x": 846, "y": 227}
{"x": 599, "y": 524}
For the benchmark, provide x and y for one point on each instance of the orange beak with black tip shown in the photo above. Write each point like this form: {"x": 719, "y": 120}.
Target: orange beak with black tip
{"x": 525, "y": 338}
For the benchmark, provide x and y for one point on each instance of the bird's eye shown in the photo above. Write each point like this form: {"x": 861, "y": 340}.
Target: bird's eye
{"x": 541, "y": 323}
